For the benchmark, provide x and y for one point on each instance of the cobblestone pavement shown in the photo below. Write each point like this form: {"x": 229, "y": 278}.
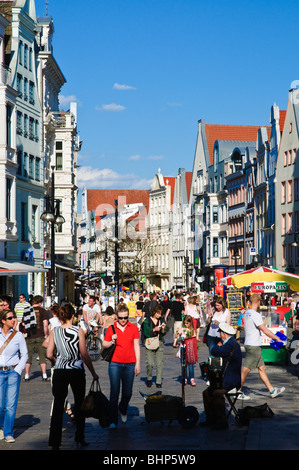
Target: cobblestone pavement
{"x": 279, "y": 432}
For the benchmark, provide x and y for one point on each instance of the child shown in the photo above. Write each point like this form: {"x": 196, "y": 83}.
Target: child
{"x": 187, "y": 336}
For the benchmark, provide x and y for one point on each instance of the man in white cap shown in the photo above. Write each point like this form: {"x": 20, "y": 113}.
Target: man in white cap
{"x": 213, "y": 398}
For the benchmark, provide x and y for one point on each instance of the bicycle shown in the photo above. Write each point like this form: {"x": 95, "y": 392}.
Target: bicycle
{"x": 93, "y": 344}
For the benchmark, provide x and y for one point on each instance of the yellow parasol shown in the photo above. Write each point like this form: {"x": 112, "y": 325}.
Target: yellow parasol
{"x": 246, "y": 278}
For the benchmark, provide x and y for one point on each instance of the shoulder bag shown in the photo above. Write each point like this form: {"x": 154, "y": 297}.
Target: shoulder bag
{"x": 7, "y": 341}
{"x": 152, "y": 343}
{"x": 107, "y": 353}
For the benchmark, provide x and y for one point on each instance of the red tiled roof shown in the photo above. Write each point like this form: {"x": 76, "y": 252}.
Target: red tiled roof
{"x": 228, "y": 132}
{"x": 188, "y": 176}
{"x": 282, "y": 117}
{"x": 102, "y": 201}
{"x": 171, "y": 183}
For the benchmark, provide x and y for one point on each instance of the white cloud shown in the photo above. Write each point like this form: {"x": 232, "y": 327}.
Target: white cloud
{"x": 106, "y": 178}
{"x": 117, "y": 86}
{"x": 65, "y": 101}
{"x": 156, "y": 157}
{"x": 112, "y": 107}
{"x": 150, "y": 157}
{"x": 135, "y": 157}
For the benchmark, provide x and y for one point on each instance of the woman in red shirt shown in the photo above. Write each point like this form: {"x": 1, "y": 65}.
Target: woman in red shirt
{"x": 125, "y": 363}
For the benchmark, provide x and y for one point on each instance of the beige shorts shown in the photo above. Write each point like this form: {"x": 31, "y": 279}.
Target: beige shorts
{"x": 253, "y": 358}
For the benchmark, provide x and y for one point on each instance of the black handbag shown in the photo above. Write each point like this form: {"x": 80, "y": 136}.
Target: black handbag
{"x": 107, "y": 353}
{"x": 251, "y": 412}
{"x": 96, "y": 405}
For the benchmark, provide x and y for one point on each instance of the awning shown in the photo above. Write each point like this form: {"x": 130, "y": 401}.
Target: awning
{"x": 12, "y": 268}
{"x": 68, "y": 268}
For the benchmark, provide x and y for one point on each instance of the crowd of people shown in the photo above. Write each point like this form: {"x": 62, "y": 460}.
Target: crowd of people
{"x": 140, "y": 320}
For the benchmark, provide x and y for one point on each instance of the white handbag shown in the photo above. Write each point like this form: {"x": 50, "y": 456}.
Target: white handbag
{"x": 152, "y": 343}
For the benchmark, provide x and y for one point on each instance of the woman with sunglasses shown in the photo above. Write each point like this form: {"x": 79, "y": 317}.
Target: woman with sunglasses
{"x": 125, "y": 363}
{"x": 13, "y": 358}
{"x": 155, "y": 326}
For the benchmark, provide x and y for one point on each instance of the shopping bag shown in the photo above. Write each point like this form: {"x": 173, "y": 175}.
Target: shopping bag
{"x": 191, "y": 351}
{"x": 96, "y": 405}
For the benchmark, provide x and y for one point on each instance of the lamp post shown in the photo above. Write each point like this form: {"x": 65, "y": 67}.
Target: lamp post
{"x": 186, "y": 271}
{"x": 52, "y": 216}
{"x": 235, "y": 257}
{"x": 116, "y": 274}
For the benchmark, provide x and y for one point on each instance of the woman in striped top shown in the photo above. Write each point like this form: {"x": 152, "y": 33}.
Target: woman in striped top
{"x": 68, "y": 341}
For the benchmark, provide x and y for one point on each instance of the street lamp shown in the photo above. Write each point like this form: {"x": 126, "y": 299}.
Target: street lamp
{"x": 296, "y": 240}
{"x": 52, "y": 215}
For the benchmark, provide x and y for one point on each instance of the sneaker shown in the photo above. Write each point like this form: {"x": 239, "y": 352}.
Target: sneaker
{"x": 242, "y": 396}
{"x": 276, "y": 392}
{"x": 193, "y": 383}
{"x": 123, "y": 418}
{"x": 112, "y": 426}
{"x": 9, "y": 439}
{"x": 1, "y": 435}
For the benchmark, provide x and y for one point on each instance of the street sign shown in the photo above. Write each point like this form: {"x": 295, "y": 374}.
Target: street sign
{"x": 127, "y": 253}
{"x": 252, "y": 251}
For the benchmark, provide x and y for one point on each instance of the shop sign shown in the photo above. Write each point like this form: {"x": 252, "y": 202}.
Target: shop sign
{"x": 269, "y": 287}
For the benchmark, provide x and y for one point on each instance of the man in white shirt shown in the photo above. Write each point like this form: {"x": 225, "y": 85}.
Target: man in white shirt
{"x": 92, "y": 315}
{"x": 254, "y": 326}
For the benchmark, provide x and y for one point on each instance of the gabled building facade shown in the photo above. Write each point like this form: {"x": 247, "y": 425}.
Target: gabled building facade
{"x": 287, "y": 190}
{"x": 29, "y": 183}
{"x": 160, "y": 264}
{"x": 181, "y": 231}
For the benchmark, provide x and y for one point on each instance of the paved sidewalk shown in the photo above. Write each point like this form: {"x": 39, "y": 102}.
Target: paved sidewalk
{"x": 279, "y": 432}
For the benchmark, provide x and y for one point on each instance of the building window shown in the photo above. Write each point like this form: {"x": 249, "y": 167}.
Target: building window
{"x": 31, "y": 166}
{"x": 290, "y": 222}
{"x": 26, "y": 56}
{"x": 215, "y": 247}
{"x": 25, "y": 165}
{"x": 31, "y": 128}
{"x": 31, "y": 92}
{"x": 283, "y": 192}
{"x": 30, "y": 59}
{"x": 34, "y": 224}
{"x": 19, "y": 160}
{"x": 215, "y": 214}
{"x": 25, "y": 125}
{"x": 20, "y": 53}
{"x": 59, "y": 155}
{"x": 37, "y": 169}
{"x": 19, "y": 123}
{"x": 25, "y": 89}
{"x": 8, "y": 125}
{"x": 19, "y": 85}
{"x": 24, "y": 226}
{"x": 8, "y": 198}
{"x": 290, "y": 190}
{"x": 283, "y": 224}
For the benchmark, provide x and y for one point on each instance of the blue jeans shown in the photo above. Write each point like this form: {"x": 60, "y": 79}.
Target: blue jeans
{"x": 120, "y": 374}
{"x": 9, "y": 394}
{"x": 212, "y": 341}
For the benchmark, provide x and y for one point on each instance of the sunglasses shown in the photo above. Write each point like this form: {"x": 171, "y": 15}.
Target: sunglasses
{"x": 10, "y": 318}
{"x": 123, "y": 318}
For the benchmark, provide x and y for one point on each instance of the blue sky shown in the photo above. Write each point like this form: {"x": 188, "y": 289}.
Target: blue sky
{"x": 145, "y": 71}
